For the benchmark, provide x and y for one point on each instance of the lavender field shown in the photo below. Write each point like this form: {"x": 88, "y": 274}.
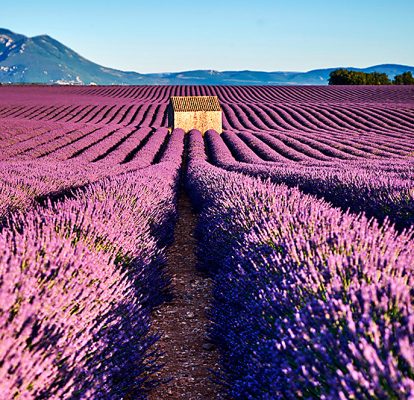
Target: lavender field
{"x": 305, "y": 215}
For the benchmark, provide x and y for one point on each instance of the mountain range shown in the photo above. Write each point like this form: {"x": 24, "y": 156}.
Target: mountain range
{"x": 42, "y": 59}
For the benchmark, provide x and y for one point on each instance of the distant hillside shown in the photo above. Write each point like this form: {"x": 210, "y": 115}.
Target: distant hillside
{"x": 42, "y": 59}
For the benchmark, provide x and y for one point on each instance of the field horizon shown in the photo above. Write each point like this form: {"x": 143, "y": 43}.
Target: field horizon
{"x": 43, "y": 59}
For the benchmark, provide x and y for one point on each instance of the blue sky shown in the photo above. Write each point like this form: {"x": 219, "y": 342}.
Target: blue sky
{"x": 268, "y": 35}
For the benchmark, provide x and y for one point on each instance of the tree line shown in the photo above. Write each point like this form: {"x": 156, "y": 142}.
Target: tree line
{"x": 344, "y": 76}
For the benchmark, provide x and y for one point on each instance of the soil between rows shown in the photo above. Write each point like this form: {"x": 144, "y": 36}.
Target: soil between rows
{"x": 188, "y": 355}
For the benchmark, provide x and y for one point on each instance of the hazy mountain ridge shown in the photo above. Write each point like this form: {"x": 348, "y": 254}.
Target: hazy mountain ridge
{"x": 42, "y": 59}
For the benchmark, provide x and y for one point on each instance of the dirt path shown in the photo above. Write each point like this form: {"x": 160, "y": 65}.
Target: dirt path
{"x": 188, "y": 354}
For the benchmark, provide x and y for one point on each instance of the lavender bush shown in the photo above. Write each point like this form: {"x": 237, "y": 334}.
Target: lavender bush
{"x": 309, "y": 302}
{"x": 80, "y": 277}
{"x": 383, "y": 188}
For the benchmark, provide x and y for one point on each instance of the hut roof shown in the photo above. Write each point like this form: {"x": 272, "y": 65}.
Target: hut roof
{"x": 195, "y": 103}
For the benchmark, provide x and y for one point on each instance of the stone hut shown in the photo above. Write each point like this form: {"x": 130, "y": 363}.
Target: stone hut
{"x": 195, "y": 112}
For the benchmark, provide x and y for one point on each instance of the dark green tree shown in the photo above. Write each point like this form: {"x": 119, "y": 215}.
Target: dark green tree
{"x": 406, "y": 78}
{"x": 344, "y": 76}
{"x": 377, "y": 78}
{"x": 340, "y": 77}
{"x": 358, "y": 78}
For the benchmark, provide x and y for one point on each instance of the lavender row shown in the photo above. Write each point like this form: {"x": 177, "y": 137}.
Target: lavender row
{"x": 309, "y": 110}
{"x": 111, "y": 113}
{"x": 101, "y": 148}
{"x": 245, "y": 94}
{"x": 121, "y": 151}
{"x": 334, "y": 118}
{"x": 297, "y": 146}
{"x": 308, "y": 118}
{"x": 76, "y": 145}
{"x": 24, "y": 183}
{"x": 309, "y": 302}
{"x": 32, "y": 144}
{"x": 101, "y": 249}
{"x": 381, "y": 189}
